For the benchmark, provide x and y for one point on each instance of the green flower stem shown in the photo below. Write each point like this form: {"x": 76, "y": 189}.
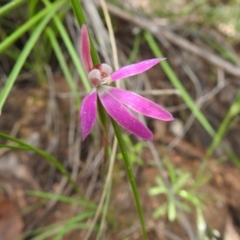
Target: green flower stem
{"x": 81, "y": 19}
{"x": 49, "y": 157}
{"x": 130, "y": 175}
{"x": 77, "y": 8}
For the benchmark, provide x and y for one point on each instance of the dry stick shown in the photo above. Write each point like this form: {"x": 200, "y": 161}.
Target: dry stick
{"x": 157, "y": 31}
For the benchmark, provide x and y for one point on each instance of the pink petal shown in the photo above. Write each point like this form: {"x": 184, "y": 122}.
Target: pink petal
{"x": 121, "y": 115}
{"x": 134, "y": 69}
{"x": 88, "y": 113}
{"x": 85, "y": 49}
{"x": 140, "y": 104}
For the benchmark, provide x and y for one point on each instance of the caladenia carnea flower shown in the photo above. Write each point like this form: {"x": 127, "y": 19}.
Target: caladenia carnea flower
{"x": 116, "y": 101}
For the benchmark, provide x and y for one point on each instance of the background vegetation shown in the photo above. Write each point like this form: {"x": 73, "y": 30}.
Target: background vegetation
{"x": 54, "y": 186}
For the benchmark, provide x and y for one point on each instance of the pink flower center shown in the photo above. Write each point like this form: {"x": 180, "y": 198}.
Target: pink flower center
{"x": 100, "y": 74}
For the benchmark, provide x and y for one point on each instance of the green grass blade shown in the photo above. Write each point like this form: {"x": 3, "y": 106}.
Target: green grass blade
{"x": 135, "y": 50}
{"x": 221, "y": 49}
{"x": 233, "y": 111}
{"x": 25, "y": 52}
{"x": 72, "y": 223}
{"x": 71, "y": 49}
{"x": 32, "y": 7}
{"x": 178, "y": 85}
{"x": 28, "y": 25}
{"x": 13, "y": 147}
{"x": 63, "y": 65}
{"x": 62, "y": 198}
{"x": 184, "y": 94}
{"x": 10, "y": 6}
{"x": 51, "y": 159}
{"x": 47, "y": 232}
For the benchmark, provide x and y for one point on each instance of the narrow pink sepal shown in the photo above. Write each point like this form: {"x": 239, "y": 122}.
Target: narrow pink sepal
{"x": 121, "y": 115}
{"x": 85, "y": 49}
{"x": 140, "y": 104}
{"x": 134, "y": 69}
{"x": 88, "y": 113}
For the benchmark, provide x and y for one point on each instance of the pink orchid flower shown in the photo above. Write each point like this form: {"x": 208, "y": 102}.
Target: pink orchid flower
{"x": 115, "y": 100}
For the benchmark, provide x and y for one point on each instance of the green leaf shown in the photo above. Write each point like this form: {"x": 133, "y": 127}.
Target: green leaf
{"x": 160, "y": 211}
{"x": 159, "y": 181}
{"x": 157, "y": 190}
{"x": 182, "y": 180}
{"x": 172, "y": 212}
{"x": 190, "y": 197}
{"x": 233, "y": 111}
